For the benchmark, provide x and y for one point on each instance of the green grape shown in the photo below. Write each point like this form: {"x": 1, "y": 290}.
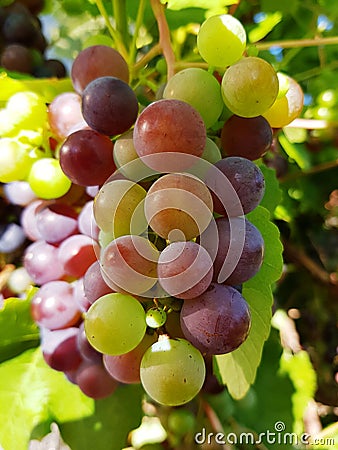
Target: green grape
{"x": 172, "y": 371}
{"x": 200, "y": 89}
{"x": 211, "y": 152}
{"x": 286, "y": 108}
{"x": 118, "y": 208}
{"x": 221, "y": 40}
{"x": 328, "y": 98}
{"x": 181, "y": 421}
{"x": 105, "y": 238}
{"x": 127, "y": 160}
{"x": 156, "y": 317}
{"x": 27, "y": 110}
{"x": 115, "y": 324}
{"x": 15, "y": 161}
{"x": 250, "y": 87}
{"x": 47, "y": 180}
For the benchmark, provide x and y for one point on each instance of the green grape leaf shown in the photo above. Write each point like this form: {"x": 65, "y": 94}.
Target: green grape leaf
{"x": 264, "y": 27}
{"x": 109, "y": 426}
{"x": 259, "y": 411}
{"x": 18, "y": 331}
{"x": 31, "y": 392}
{"x": 297, "y": 152}
{"x": 238, "y": 369}
{"x": 273, "y": 194}
{"x": 205, "y": 4}
{"x": 303, "y": 376}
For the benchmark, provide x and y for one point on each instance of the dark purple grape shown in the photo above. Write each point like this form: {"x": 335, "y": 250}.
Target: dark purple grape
{"x": 244, "y": 176}
{"x": 216, "y": 322}
{"x": 86, "y": 350}
{"x": 249, "y": 137}
{"x": 211, "y": 384}
{"x": 20, "y": 27}
{"x": 95, "y": 381}
{"x": 50, "y": 68}
{"x": 248, "y": 253}
{"x": 34, "y": 6}
{"x": 60, "y": 350}
{"x": 109, "y": 105}
{"x": 95, "y": 62}
{"x": 17, "y": 58}
{"x": 86, "y": 157}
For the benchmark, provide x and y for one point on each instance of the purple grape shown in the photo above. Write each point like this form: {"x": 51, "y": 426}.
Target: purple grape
{"x": 28, "y": 219}
{"x": 216, "y": 322}
{"x": 19, "y": 193}
{"x": 77, "y": 253}
{"x": 79, "y": 295}
{"x": 95, "y": 381}
{"x": 86, "y": 350}
{"x": 93, "y": 283}
{"x": 86, "y": 221}
{"x": 56, "y": 222}
{"x": 97, "y": 61}
{"x": 59, "y": 349}
{"x": 12, "y": 236}
{"x": 249, "y": 137}
{"x": 109, "y": 105}
{"x": 86, "y": 157}
{"x": 247, "y": 180}
{"x": 247, "y": 258}
{"x": 41, "y": 260}
{"x": 54, "y": 306}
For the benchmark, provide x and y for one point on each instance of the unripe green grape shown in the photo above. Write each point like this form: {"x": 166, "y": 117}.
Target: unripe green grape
{"x": 221, "y": 40}
{"x": 211, "y": 152}
{"x": 200, "y": 89}
{"x": 172, "y": 371}
{"x": 328, "y": 98}
{"x": 156, "y": 317}
{"x": 115, "y": 324}
{"x": 28, "y": 109}
{"x": 250, "y": 87}
{"x": 15, "y": 161}
{"x": 47, "y": 179}
{"x": 181, "y": 421}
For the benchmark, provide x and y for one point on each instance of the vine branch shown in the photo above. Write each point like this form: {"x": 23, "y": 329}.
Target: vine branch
{"x": 300, "y": 258}
{"x": 296, "y": 43}
{"x": 164, "y": 32}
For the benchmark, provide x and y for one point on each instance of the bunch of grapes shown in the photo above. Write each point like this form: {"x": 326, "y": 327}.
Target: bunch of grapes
{"x": 22, "y": 42}
{"x": 141, "y": 241}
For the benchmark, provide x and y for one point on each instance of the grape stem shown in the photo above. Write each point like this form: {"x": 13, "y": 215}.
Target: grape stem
{"x": 315, "y": 169}
{"x": 302, "y": 259}
{"x": 164, "y": 32}
{"x": 115, "y": 35}
{"x": 142, "y": 62}
{"x": 296, "y": 43}
{"x": 214, "y": 421}
{"x": 138, "y": 24}
{"x": 120, "y": 15}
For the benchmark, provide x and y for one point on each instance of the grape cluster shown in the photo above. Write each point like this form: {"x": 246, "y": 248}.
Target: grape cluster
{"x": 22, "y": 42}
{"x": 138, "y": 218}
